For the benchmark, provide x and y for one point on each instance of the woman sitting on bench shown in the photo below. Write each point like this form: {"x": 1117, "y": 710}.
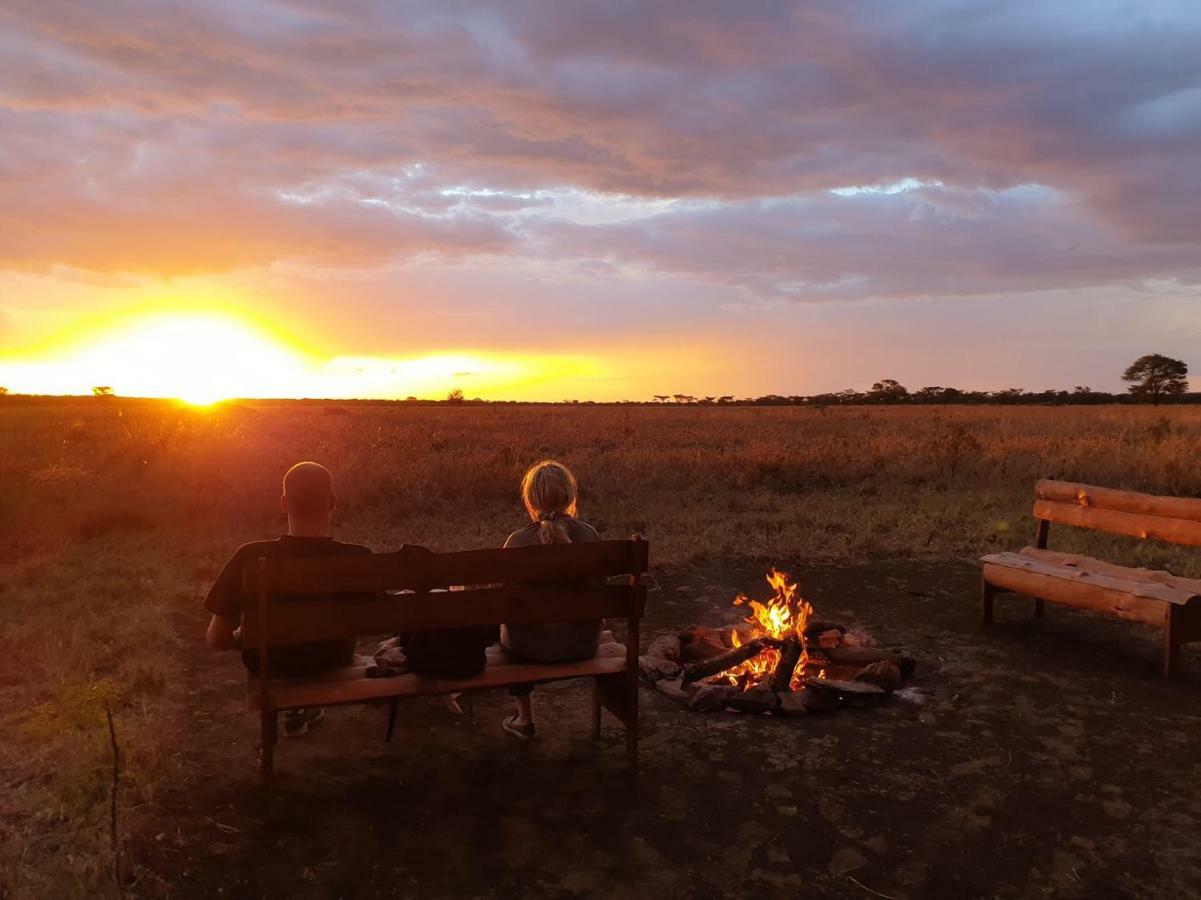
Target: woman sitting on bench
{"x": 549, "y": 494}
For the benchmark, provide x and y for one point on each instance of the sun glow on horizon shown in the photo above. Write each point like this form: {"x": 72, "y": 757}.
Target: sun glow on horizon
{"x": 199, "y": 358}
{"x": 202, "y": 358}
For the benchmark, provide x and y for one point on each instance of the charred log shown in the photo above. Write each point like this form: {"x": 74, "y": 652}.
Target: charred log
{"x": 790, "y": 655}
{"x": 727, "y": 660}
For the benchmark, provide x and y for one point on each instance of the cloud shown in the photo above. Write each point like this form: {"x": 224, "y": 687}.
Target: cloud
{"x": 1041, "y": 146}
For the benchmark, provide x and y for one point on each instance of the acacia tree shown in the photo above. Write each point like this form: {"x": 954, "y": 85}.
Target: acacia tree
{"x": 1157, "y": 376}
{"x": 888, "y": 390}
{"x": 102, "y": 390}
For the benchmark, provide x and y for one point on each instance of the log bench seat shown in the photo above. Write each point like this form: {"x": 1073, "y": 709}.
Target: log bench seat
{"x": 351, "y": 684}
{"x": 1148, "y": 596}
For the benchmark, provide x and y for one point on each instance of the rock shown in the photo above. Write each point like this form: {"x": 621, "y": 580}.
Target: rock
{"x": 709, "y": 697}
{"x": 792, "y": 703}
{"x": 673, "y": 689}
{"x": 666, "y": 646}
{"x": 823, "y": 694}
{"x": 913, "y": 695}
{"x": 699, "y": 642}
{"x": 656, "y": 668}
{"x": 759, "y": 699}
{"x": 816, "y": 626}
{"x": 813, "y": 700}
{"x": 846, "y": 860}
{"x": 882, "y": 674}
{"x": 828, "y": 639}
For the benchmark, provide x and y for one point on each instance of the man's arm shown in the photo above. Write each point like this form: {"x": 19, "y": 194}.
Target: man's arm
{"x": 224, "y": 602}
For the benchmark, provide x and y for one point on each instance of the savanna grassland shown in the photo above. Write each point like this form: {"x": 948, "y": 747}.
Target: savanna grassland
{"x": 116, "y": 514}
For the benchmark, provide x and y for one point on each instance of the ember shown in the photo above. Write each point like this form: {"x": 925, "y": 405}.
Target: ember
{"x": 776, "y": 662}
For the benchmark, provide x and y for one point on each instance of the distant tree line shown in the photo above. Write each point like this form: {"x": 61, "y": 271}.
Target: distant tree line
{"x": 1154, "y": 378}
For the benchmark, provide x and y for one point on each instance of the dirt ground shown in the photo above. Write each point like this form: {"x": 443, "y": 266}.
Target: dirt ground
{"x": 1048, "y": 759}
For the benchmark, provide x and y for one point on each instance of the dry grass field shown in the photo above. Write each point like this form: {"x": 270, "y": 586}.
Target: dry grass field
{"x": 115, "y": 515}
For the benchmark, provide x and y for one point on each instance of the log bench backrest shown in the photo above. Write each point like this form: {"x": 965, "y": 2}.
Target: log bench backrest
{"x": 1176, "y": 520}
{"x": 550, "y": 583}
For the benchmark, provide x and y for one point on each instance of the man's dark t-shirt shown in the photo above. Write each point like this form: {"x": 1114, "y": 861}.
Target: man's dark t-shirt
{"x": 227, "y": 600}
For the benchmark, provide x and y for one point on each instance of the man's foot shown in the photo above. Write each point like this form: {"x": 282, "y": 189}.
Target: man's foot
{"x": 298, "y": 721}
{"x": 521, "y": 732}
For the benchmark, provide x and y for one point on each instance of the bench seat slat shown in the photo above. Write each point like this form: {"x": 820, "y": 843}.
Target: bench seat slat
{"x": 1083, "y": 570}
{"x": 1190, "y": 586}
{"x": 352, "y": 686}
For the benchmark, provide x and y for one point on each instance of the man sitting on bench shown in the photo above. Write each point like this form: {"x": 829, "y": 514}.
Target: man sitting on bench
{"x": 308, "y": 501}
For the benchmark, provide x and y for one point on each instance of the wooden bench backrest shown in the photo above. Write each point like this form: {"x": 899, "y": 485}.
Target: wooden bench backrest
{"x": 297, "y": 598}
{"x": 1173, "y": 519}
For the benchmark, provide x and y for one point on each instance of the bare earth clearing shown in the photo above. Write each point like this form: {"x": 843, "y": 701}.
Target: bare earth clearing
{"x": 1048, "y": 758}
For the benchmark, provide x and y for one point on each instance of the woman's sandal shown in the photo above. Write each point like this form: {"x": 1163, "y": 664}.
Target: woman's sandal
{"x": 521, "y": 732}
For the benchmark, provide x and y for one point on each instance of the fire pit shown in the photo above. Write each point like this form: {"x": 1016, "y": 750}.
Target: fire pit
{"x": 781, "y": 660}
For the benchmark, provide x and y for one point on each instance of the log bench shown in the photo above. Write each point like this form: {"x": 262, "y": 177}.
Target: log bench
{"x": 1137, "y": 595}
{"x": 300, "y": 600}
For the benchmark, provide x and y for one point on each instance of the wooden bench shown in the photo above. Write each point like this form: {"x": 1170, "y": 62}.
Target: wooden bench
{"x": 1138, "y": 595}
{"x": 552, "y": 583}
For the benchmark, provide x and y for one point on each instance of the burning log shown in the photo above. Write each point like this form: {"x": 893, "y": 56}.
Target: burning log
{"x": 728, "y": 659}
{"x": 790, "y": 655}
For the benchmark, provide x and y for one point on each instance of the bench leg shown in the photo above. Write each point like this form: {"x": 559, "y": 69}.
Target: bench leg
{"x": 267, "y": 762}
{"x": 632, "y": 725}
{"x": 1171, "y": 643}
{"x": 1039, "y": 607}
{"x": 987, "y": 593}
{"x": 596, "y": 709}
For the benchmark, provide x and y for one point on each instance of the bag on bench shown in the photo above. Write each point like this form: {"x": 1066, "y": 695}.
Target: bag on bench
{"x": 449, "y": 653}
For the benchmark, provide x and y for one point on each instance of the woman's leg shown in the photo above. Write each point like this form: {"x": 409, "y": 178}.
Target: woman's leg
{"x": 521, "y": 724}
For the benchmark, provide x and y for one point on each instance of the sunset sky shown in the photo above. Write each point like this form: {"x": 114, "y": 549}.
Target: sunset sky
{"x": 552, "y": 200}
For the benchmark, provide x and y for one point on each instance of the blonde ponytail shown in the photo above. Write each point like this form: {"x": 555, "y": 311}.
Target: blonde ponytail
{"x": 549, "y": 492}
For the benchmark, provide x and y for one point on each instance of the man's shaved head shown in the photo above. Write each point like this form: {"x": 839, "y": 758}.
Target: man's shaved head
{"x": 308, "y": 489}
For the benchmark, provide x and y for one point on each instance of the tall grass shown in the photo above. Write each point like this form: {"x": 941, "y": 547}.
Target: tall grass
{"x": 115, "y": 514}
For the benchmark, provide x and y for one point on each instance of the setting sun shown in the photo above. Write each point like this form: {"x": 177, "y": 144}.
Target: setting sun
{"x": 198, "y": 358}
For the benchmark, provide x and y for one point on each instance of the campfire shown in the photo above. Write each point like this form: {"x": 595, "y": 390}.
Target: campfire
{"x": 781, "y": 659}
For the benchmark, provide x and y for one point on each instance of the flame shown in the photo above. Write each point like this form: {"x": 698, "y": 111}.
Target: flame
{"x": 783, "y": 616}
